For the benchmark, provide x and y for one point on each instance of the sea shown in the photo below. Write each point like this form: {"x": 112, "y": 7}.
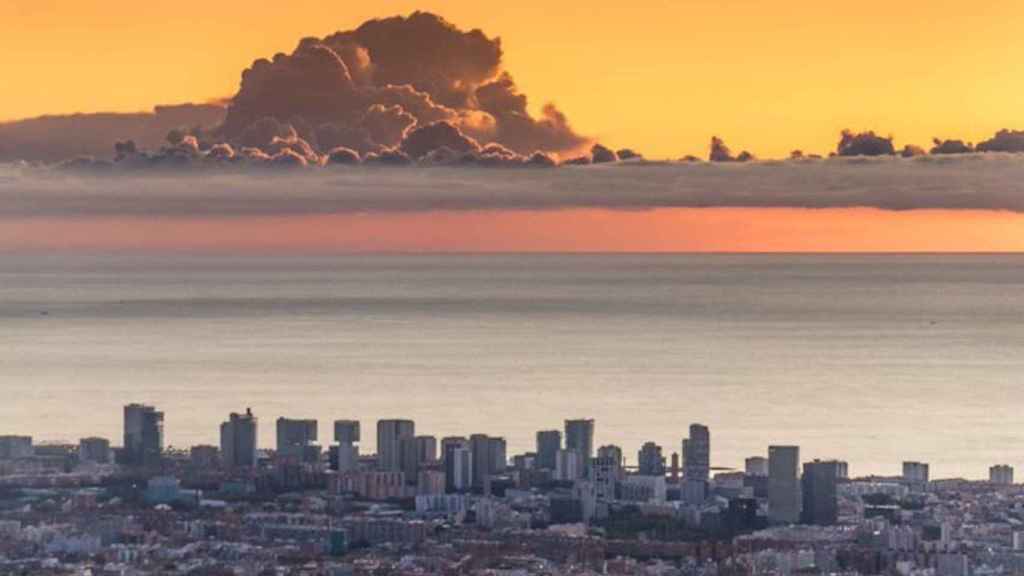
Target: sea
{"x": 872, "y": 359}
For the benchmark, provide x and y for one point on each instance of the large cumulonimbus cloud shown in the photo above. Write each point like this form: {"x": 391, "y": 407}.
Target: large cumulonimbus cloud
{"x": 954, "y": 182}
{"x": 364, "y": 89}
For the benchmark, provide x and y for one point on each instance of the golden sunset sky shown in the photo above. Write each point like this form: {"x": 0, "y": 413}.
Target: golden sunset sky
{"x": 660, "y": 76}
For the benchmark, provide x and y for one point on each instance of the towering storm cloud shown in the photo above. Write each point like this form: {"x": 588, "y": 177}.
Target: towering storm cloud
{"x": 366, "y": 89}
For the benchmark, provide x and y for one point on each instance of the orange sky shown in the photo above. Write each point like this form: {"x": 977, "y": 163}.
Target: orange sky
{"x": 663, "y": 230}
{"x": 661, "y": 76}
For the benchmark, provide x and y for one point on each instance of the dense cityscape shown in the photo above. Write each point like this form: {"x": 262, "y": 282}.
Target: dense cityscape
{"x": 462, "y": 505}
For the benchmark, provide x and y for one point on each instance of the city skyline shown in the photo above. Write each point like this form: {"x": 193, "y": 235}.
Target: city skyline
{"x": 443, "y": 287}
{"x": 239, "y": 434}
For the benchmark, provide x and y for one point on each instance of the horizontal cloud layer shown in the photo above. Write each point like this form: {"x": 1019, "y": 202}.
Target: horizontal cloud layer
{"x": 973, "y": 181}
{"x": 56, "y": 138}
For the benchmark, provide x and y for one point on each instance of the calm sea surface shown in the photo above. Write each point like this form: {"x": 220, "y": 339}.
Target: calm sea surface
{"x": 873, "y": 359}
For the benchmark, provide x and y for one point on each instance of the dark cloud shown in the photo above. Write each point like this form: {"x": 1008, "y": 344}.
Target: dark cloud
{"x": 864, "y": 144}
{"x": 950, "y": 147}
{"x": 222, "y": 151}
{"x": 312, "y": 82}
{"x": 602, "y": 155}
{"x": 331, "y": 136}
{"x": 263, "y": 131}
{"x": 420, "y": 104}
{"x": 387, "y": 124}
{"x": 1004, "y": 141}
{"x": 516, "y": 128}
{"x": 541, "y": 160}
{"x": 288, "y": 158}
{"x": 125, "y": 149}
{"x": 366, "y": 88}
{"x": 421, "y": 141}
{"x": 912, "y": 151}
{"x": 255, "y": 155}
{"x": 294, "y": 145}
{"x": 388, "y": 157}
{"x": 579, "y": 161}
{"x": 497, "y": 150}
{"x": 719, "y": 152}
{"x": 343, "y": 156}
{"x": 445, "y": 156}
{"x": 57, "y": 138}
{"x": 425, "y": 52}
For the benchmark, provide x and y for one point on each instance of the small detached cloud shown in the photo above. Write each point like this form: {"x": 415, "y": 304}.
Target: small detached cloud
{"x": 864, "y": 144}
{"x": 1004, "y": 141}
{"x": 719, "y": 152}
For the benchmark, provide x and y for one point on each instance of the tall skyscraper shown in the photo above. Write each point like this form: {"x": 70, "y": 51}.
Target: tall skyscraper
{"x": 915, "y": 473}
{"x": 296, "y": 441}
{"x": 346, "y": 431}
{"x": 756, "y": 466}
{"x": 611, "y": 452}
{"x": 819, "y": 493}
{"x": 1001, "y": 474}
{"x": 483, "y": 461}
{"x": 650, "y": 461}
{"x": 569, "y": 466}
{"x": 426, "y": 450}
{"x": 605, "y": 474}
{"x": 784, "y": 501}
{"x": 94, "y": 450}
{"x": 408, "y": 458}
{"x": 458, "y": 463}
{"x": 448, "y": 441}
{"x": 458, "y": 468}
{"x": 842, "y": 469}
{"x": 15, "y": 447}
{"x": 579, "y": 436}
{"x": 697, "y": 454}
{"x": 344, "y": 456}
{"x": 549, "y": 442}
{"x": 389, "y": 443}
{"x": 143, "y": 435}
{"x": 204, "y": 456}
{"x": 238, "y": 440}
{"x": 499, "y": 455}
{"x": 696, "y": 464}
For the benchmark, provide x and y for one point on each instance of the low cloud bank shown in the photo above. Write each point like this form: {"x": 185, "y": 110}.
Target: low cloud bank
{"x": 957, "y": 182}
{"x": 61, "y": 137}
